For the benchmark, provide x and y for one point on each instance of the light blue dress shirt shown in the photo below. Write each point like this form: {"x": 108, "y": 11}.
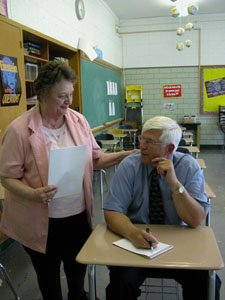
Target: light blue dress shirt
{"x": 129, "y": 188}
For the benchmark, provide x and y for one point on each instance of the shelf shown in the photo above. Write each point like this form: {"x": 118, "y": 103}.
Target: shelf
{"x": 34, "y": 59}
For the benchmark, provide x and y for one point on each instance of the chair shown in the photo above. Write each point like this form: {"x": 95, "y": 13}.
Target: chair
{"x": 162, "y": 287}
{"x": 182, "y": 142}
{"x": 104, "y": 137}
{"x": 183, "y": 150}
{"x": 126, "y": 126}
{"x": 8, "y": 281}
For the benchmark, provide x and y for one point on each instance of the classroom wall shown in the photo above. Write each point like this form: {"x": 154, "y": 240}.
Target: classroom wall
{"x": 152, "y": 81}
{"x": 58, "y": 20}
{"x": 150, "y": 59}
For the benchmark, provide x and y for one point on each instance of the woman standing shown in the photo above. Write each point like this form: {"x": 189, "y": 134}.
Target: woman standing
{"x": 51, "y": 231}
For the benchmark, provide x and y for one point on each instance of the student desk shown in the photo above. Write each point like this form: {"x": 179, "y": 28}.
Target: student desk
{"x": 132, "y": 133}
{"x": 196, "y": 128}
{"x": 201, "y": 163}
{"x": 120, "y": 137}
{"x": 193, "y": 149}
{"x": 111, "y": 143}
{"x": 204, "y": 255}
{"x": 210, "y": 195}
{"x": 188, "y": 140}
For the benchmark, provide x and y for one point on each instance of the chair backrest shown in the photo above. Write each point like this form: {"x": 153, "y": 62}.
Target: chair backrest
{"x": 126, "y": 126}
{"x": 99, "y": 143}
{"x": 115, "y": 130}
{"x": 104, "y": 136}
{"x": 183, "y": 150}
{"x": 182, "y": 142}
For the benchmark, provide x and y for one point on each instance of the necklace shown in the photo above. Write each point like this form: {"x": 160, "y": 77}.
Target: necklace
{"x": 56, "y": 136}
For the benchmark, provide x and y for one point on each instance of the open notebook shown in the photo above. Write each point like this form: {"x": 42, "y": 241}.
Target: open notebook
{"x": 127, "y": 245}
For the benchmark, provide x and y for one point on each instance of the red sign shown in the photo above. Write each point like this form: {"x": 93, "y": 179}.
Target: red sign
{"x": 172, "y": 90}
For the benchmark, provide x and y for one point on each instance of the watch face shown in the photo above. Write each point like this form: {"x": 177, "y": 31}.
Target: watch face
{"x": 80, "y": 9}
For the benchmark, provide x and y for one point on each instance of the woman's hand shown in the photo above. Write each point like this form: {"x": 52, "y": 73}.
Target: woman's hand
{"x": 44, "y": 194}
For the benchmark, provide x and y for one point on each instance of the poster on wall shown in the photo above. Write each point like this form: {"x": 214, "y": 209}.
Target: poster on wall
{"x": 172, "y": 90}
{"x": 3, "y": 8}
{"x": 10, "y": 81}
{"x": 212, "y": 88}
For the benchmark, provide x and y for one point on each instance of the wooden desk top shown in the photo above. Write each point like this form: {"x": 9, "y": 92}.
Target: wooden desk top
{"x": 209, "y": 191}
{"x": 188, "y": 140}
{"x": 193, "y": 249}
{"x": 119, "y": 135}
{"x": 201, "y": 163}
{"x": 130, "y": 130}
{"x": 187, "y": 133}
{"x": 109, "y": 142}
{"x": 192, "y": 149}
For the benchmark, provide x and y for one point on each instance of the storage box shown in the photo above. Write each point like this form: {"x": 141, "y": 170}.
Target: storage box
{"x": 192, "y": 119}
{"x": 31, "y": 71}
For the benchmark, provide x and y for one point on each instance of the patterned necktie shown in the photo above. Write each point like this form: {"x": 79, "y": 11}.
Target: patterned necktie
{"x": 156, "y": 209}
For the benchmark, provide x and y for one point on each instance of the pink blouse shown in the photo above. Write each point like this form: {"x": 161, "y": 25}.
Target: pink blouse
{"x": 24, "y": 156}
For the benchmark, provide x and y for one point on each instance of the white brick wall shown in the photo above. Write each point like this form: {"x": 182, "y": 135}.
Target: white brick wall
{"x": 152, "y": 81}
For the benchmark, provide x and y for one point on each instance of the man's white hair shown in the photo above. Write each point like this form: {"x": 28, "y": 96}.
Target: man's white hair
{"x": 171, "y": 131}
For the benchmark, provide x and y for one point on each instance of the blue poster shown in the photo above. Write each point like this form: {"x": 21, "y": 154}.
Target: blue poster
{"x": 215, "y": 87}
{"x": 10, "y": 81}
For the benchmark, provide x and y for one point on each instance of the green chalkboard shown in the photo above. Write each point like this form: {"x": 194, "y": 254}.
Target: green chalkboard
{"x": 95, "y": 98}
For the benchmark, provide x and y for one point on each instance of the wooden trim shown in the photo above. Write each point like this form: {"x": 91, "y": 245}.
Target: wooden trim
{"x": 101, "y": 62}
{"x": 106, "y": 125}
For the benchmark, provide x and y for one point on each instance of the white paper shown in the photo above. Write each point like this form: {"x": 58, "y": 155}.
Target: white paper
{"x": 127, "y": 245}
{"x": 66, "y": 170}
{"x": 87, "y": 49}
{"x": 113, "y": 108}
{"x": 110, "y": 108}
{"x": 108, "y": 90}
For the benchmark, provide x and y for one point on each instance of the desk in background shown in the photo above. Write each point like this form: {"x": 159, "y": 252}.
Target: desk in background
{"x": 196, "y": 128}
{"x": 193, "y": 149}
{"x": 205, "y": 255}
{"x": 111, "y": 143}
{"x": 132, "y": 133}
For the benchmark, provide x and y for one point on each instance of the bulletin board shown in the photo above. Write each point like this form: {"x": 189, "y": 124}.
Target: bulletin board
{"x": 212, "y": 89}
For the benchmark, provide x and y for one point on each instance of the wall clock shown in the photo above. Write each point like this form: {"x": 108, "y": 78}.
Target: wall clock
{"x": 80, "y": 9}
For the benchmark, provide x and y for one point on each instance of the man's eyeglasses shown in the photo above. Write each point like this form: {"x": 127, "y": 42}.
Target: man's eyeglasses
{"x": 148, "y": 142}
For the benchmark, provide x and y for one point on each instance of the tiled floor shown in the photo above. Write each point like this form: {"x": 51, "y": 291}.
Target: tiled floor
{"x": 18, "y": 264}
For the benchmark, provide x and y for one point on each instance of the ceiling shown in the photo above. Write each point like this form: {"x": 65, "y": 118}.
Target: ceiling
{"x": 136, "y": 9}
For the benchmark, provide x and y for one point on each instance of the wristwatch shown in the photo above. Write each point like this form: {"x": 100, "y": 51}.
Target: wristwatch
{"x": 179, "y": 190}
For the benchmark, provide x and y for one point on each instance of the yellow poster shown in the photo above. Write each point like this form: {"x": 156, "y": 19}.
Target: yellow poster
{"x": 212, "y": 88}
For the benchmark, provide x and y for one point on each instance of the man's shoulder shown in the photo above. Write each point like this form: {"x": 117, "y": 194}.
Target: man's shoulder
{"x": 184, "y": 159}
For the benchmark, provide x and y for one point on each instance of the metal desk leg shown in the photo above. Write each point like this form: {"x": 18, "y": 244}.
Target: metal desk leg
{"x": 134, "y": 140}
{"x": 208, "y": 217}
{"x": 212, "y": 285}
{"x": 92, "y": 281}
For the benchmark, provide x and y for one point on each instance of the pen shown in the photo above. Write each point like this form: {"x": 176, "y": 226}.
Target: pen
{"x": 150, "y": 242}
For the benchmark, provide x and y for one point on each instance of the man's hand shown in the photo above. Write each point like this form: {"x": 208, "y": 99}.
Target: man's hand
{"x": 166, "y": 169}
{"x": 140, "y": 238}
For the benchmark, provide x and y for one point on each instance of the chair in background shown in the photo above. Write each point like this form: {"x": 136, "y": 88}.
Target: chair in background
{"x": 128, "y": 143}
{"x": 8, "y": 281}
{"x": 182, "y": 142}
{"x": 105, "y": 137}
{"x": 117, "y": 132}
{"x": 183, "y": 150}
